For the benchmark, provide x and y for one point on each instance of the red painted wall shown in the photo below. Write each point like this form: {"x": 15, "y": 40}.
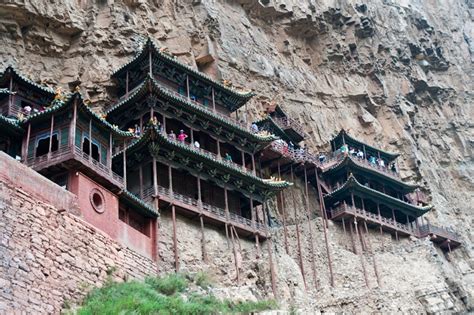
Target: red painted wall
{"x": 106, "y": 221}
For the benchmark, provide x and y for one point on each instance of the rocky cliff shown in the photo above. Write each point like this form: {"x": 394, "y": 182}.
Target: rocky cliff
{"x": 397, "y": 74}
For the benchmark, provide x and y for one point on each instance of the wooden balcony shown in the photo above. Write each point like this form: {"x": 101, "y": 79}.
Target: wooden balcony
{"x": 445, "y": 238}
{"x": 291, "y": 126}
{"x": 72, "y": 158}
{"x": 216, "y": 216}
{"x": 349, "y": 213}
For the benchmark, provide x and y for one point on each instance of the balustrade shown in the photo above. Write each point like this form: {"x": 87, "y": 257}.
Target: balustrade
{"x": 287, "y": 122}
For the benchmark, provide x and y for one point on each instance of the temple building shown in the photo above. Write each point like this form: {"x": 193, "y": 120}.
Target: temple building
{"x": 173, "y": 142}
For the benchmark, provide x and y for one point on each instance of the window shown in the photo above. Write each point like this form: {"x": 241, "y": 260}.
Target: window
{"x": 42, "y": 145}
{"x": 135, "y": 220}
{"x": 86, "y": 147}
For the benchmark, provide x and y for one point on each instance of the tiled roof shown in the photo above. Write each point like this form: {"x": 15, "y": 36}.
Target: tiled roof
{"x": 397, "y": 203}
{"x": 11, "y": 123}
{"x": 57, "y": 105}
{"x": 27, "y": 81}
{"x": 150, "y": 44}
{"x": 143, "y": 206}
{"x": 142, "y": 90}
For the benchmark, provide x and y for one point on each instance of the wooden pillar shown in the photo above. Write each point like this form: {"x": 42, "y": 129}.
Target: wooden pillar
{"x": 369, "y": 244}
{"x": 354, "y": 247}
{"x": 218, "y": 148}
{"x": 187, "y": 87}
{"x": 192, "y": 136}
{"x": 51, "y": 135}
{"x": 27, "y": 144}
{"x": 155, "y": 178}
{"x": 300, "y": 255}
{"x": 313, "y": 261}
{"x": 352, "y": 199}
{"x": 395, "y": 223}
{"x": 365, "y": 153}
{"x": 170, "y": 179}
{"x": 72, "y": 128}
{"x": 109, "y": 158}
{"x": 90, "y": 139}
{"x": 380, "y": 226}
{"x": 164, "y": 124}
{"x": 10, "y": 95}
{"x": 234, "y": 250}
{"x": 269, "y": 249}
{"x": 243, "y": 159}
{"x": 226, "y": 205}
{"x": 213, "y": 100}
{"x": 124, "y": 165}
{"x": 282, "y": 199}
{"x": 362, "y": 262}
{"x": 140, "y": 175}
{"x": 325, "y": 226}
{"x": 175, "y": 239}
{"x": 253, "y": 164}
{"x": 343, "y": 139}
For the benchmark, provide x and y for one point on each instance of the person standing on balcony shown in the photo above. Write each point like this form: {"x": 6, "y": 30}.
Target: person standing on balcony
{"x": 228, "y": 157}
{"x": 172, "y": 135}
{"x": 393, "y": 168}
{"x": 352, "y": 151}
{"x": 360, "y": 154}
{"x": 381, "y": 162}
{"x": 344, "y": 150}
{"x": 254, "y": 127}
{"x": 197, "y": 145}
{"x": 182, "y": 136}
{"x": 322, "y": 158}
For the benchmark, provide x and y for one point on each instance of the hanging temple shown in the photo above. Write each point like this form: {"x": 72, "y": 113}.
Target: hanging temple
{"x": 169, "y": 143}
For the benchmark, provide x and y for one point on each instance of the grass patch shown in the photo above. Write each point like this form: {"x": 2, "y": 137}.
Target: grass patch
{"x": 203, "y": 280}
{"x": 161, "y": 296}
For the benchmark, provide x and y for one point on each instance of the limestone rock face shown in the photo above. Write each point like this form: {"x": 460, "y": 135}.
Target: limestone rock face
{"x": 395, "y": 73}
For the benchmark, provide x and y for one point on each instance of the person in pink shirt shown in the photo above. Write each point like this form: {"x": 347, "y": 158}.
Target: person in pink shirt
{"x": 182, "y": 136}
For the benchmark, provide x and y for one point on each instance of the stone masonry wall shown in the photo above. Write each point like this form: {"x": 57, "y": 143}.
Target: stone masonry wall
{"x": 50, "y": 257}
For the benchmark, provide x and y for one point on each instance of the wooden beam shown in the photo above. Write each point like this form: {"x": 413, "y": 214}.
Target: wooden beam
{"x": 126, "y": 84}
{"x": 362, "y": 262}
{"x": 51, "y": 136}
{"x": 27, "y": 144}
{"x": 282, "y": 200}
{"x": 124, "y": 165}
{"x": 175, "y": 239}
{"x": 187, "y": 87}
{"x": 369, "y": 244}
{"x": 109, "y": 158}
{"x": 203, "y": 240}
{"x": 300, "y": 256}
{"x": 90, "y": 139}
{"x": 213, "y": 100}
{"x": 313, "y": 261}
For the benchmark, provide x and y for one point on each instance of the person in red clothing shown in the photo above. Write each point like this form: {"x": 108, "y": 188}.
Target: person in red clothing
{"x": 182, "y": 136}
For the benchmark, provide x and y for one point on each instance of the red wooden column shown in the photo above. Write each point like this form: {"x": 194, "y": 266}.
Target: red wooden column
{"x": 243, "y": 159}
{"x": 213, "y": 100}
{"x": 395, "y": 223}
{"x": 187, "y": 87}
{"x": 253, "y": 164}
{"x": 201, "y": 220}
{"x": 156, "y": 205}
{"x": 227, "y": 218}
{"x": 300, "y": 255}
{"x": 269, "y": 249}
{"x": 380, "y": 226}
{"x": 254, "y": 225}
{"x": 369, "y": 243}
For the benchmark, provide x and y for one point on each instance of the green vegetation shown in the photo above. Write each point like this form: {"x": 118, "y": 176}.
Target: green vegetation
{"x": 163, "y": 296}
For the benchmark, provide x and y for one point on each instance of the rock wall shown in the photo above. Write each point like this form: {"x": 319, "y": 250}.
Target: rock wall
{"x": 397, "y": 74}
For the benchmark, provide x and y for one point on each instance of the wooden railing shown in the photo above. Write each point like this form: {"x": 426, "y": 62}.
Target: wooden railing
{"x": 444, "y": 232}
{"x": 64, "y": 150}
{"x": 287, "y": 123}
{"x": 148, "y": 194}
{"x": 211, "y": 155}
{"x": 345, "y": 208}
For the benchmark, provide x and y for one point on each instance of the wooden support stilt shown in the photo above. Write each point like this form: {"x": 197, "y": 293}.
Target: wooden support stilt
{"x": 354, "y": 247}
{"x": 283, "y": 205}
{"x": 269, "y": 249}
{"x": 175, "y": 239}
{"x": 322, "y": 207}
{"x": 51, "y": 138}
{"x": 124, "y": 164}
{"x": 344, "y": 226}
{"x": 394, "y": 221}
{"x": 226, "y": 206}
{"x": 237, "y": 273}
{"x": 300, "y": 255}
{"x": 362, "y": 262}
{"x": 203, "y": 240}
{"x": 369, "y": 243}
{"x": 313, "y": 260}
{"x": 27, "y": 144}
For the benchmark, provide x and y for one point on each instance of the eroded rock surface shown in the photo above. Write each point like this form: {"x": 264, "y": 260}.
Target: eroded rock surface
{"x": 397, "y": 74}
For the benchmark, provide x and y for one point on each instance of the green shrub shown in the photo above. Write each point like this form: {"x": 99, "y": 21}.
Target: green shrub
{"x": 203, "y": 280}
{"x": 158, "y": 296}
{"x": 169, "y": 284}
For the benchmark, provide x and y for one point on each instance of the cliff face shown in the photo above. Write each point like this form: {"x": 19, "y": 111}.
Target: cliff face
{"x": 397, "y": 74}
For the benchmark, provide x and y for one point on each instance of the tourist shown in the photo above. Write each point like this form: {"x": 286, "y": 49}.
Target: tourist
{"x": 228, "y": 157}
{"x": 381, "y": 162}
{"x": 360, "y": 154}
{"x": 137, "y": 130}
{"x": 393, "y": 168}
{"x": 172, "y": 135}
{"x": 182, "y": 136}
{"x": 27, "y": 110}
{"x": 291, "y": 146}
{"x": 254, "y": 127}
{"x": 372, "y": 160}
{"x": 197, "y": 145}
{"x": 322, "y": 158}
{"x": 344, "y": 149}
{"x": 352, "y": 151}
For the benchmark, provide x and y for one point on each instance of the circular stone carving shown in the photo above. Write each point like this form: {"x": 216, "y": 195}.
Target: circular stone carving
{"x": 97, "y": 200}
